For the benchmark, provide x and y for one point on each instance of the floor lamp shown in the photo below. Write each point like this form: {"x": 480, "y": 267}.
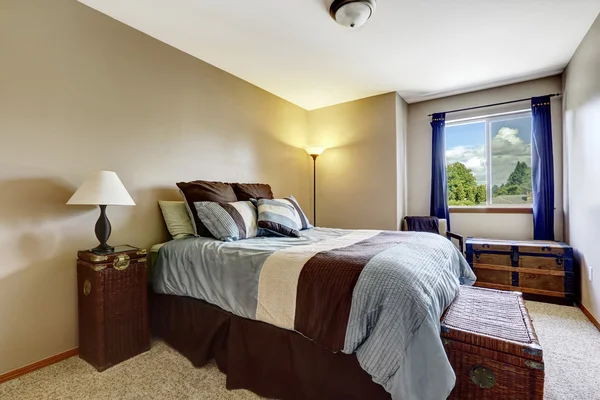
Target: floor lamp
{"x": 314, "y": 152}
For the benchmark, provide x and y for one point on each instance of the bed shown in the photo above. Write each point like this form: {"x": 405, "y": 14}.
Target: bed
{"x": 332, "y": 314}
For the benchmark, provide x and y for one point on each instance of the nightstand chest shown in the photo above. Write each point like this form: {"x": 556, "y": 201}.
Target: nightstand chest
{"x": 536, "y": 268}
{"x": 113, "y": 306}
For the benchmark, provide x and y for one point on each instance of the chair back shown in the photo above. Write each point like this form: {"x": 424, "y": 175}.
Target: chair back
{"x": 443, "y": 226}
{"x": 443, "y": 229}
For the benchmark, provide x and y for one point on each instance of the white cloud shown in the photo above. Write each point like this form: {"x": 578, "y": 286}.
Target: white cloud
{"x": 472, "y": 156}
{"x": 508, "y": 135}
{"x": 507, "y": 149}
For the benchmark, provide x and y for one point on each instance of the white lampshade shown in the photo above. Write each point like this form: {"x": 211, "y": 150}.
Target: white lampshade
{"x": 102, "y": 188}
{"x": 314, "y": 150}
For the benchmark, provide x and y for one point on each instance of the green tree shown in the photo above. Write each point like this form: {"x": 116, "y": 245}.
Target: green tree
{"x": 518, "y": 182}
{"x": 462, "y": 186}
{"x": 459, "y": 192}
{"x": 521, "y": 177}
{"x": 481, "y": 195}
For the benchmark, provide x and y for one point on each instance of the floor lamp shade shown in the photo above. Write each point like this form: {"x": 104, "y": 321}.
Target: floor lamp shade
{"x": 314, "y": 150}
{"x": 104, "y": 188}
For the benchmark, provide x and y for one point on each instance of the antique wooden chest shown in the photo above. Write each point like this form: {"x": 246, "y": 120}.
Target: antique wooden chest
{"x": 531, "y": 267}
{"x": 492, "y": 347}
{"x": 113, "y": 306}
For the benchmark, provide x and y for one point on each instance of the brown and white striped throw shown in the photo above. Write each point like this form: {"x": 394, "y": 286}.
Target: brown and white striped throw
{"x": 309, "y": 288}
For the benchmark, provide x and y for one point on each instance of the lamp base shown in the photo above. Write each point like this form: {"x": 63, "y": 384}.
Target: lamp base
{"x": 103, "y": 230}
{"x": 103, "y": 248}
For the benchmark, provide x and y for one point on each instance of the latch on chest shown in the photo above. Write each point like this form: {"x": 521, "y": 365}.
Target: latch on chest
{"x": 559, "y": 261}
{"x": 121, "y": 262}
{"x": 514, "y": 256}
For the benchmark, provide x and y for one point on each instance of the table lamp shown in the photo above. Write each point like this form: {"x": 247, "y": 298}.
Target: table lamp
{"x": 104, "y": 188}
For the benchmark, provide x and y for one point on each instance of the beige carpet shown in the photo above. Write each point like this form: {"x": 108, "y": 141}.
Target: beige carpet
{"x": 571, "y": 348}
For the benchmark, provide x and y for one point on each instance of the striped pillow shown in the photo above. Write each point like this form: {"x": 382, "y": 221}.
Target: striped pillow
{"x": 281, "y": 216}
{"x": 300, "y": 214}
{"x": 228, "y": 221}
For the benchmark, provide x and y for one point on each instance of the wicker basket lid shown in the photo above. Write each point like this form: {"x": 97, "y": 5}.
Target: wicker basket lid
{"x": 492, "y": 319}
{"x": 126, "y": 251}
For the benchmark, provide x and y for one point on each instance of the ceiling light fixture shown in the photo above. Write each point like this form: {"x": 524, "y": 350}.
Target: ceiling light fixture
{"x": 352, "y": 13}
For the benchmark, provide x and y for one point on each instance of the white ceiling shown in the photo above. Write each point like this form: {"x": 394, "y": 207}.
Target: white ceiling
{"x": 420, "y": 48}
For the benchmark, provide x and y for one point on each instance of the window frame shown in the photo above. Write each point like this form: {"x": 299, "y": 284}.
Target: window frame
{"x": 489, "y": 207}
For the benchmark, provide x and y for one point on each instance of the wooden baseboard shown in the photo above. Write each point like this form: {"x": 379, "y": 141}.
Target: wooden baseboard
{"x": 15, "y": 373}
{"x": 589, "y": 316}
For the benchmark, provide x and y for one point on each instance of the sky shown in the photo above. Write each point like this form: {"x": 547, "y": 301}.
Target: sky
{"x": 511, "y": 142}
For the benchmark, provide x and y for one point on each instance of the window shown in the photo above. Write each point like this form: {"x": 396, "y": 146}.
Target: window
{"x": 489, "y": 161}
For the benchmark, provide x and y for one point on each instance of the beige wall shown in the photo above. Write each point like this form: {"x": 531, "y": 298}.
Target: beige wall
{"x": 401, "y": 133}
{"x": 582, "y": 163}
{"x": 501, "y": 226}
{"x": 81, "y": 92}
{"x": 358, "y": 174}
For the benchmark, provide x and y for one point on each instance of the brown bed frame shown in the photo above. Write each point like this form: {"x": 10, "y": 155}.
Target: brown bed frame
{"x": 269, "y": 361}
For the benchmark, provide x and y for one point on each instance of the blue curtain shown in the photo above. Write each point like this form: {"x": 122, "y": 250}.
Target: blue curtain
{"x": 439, "y": 187}
{"x": 542, "y": 169}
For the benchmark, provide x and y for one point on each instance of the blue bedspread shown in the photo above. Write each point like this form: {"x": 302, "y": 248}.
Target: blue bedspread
{"x": 397, "y": 301}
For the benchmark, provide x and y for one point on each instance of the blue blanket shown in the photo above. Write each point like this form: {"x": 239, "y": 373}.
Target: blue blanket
{"x": 397, "y": 300}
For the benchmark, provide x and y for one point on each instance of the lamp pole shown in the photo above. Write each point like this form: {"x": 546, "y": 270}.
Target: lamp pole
{"x": 314, "y": 152}
{"x": 314, "y": 157}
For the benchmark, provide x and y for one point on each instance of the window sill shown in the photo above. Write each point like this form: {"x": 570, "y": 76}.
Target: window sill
{"x": 491, "y": 210}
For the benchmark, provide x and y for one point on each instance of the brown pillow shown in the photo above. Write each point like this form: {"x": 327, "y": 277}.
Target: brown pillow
{"x": 247, "y": 191}
{"x": 204, "y": 191}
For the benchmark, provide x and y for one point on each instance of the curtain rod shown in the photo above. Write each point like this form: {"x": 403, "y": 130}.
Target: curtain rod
{"x": 496, "y": 104}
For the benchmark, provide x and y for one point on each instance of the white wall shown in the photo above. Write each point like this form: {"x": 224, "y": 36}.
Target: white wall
{"x": 582, "y": 163}
{"x": 500, "y": 226}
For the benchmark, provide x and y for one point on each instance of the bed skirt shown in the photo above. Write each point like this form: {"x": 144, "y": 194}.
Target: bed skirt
{"x": 267, "y": 360}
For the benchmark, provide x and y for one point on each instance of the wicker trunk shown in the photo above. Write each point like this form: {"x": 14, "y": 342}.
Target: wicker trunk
{"x": 531, "y": 267}
{"x": 492, "y": 346}
{"x": 113, "y": 306}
